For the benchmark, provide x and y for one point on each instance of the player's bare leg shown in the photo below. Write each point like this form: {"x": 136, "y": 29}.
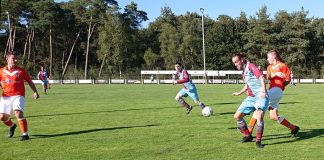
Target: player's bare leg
{"x": 184, "y": 103}
{"x": 241, "y": 125}
{"x": 283, "y": 121}
{"x": 22, "y": 124}
{"x": 7, "y": 121}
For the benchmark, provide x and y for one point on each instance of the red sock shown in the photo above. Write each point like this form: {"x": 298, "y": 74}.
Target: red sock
{"x": 23, "y": 125}
{"x": 8, "y": 123}
{"x": 184, "y": 103}
{"x": 259, "y": 133}
{"x": 246, "y": 133}
{"x": 243, "y": 128}
{"x": 286, "y": 123}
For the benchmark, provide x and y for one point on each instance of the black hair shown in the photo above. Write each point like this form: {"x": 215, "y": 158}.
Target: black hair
{"x": 178, "y": 63}
{"x": 240, "y": 56}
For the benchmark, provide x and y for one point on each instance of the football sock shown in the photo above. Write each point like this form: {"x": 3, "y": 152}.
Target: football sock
{"x": 23, "y": 126}
{"x": 8, "y": 123}
{"x": 243, "y": 128}
{"x": 283, "y": 121}
{"x": 184, "y": 103}
{"x": 260, "y": 127}
{"x": 252, "y": 124}
{"x": 201, "y": 105}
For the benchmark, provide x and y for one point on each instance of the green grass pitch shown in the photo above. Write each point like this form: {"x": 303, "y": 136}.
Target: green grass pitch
{"x": 145, "y": 122}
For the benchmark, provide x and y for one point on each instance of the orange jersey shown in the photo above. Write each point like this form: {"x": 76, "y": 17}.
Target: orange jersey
{"x": 12, "y": 81}
{"x": 278, "y": 81}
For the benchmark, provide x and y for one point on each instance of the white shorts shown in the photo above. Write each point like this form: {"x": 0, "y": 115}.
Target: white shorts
{"x": 275, "y": 95}
{"x": 12, "y": 103}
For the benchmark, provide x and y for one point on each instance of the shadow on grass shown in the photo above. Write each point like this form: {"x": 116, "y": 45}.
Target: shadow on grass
{"x": 224, "y": 103}
{"x": 118, "y": 110}
{"x": 87, "y": 131}
{"x": 290, "y": 102}
{"x": 226, "y": 113}
{"x": 307, "y": 134}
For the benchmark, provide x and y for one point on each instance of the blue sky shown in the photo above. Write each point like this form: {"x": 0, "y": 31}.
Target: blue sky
{"x": 214, "y": 8}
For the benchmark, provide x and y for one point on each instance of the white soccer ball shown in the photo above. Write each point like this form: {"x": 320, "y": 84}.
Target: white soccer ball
{"x": 207, "y": 111}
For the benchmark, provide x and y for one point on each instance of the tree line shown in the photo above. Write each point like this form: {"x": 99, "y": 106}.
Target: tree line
{"x": 100, "y": 39}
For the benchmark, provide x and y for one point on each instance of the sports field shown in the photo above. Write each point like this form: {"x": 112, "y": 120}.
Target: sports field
{"x": 145, "y": 122}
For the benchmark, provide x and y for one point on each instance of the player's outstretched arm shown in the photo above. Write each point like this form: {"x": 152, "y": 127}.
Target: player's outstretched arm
{"x": 33, "y": 87}
{"x": 244, "y": 89}
{"x": 38, "y": 75}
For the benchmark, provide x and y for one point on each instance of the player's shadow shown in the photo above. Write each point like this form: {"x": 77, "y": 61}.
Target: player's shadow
{"x": 307, "y": 134}
{"x": 226, "y": 113}
{"x": 36, "y": 136}
{"x": 222, "y": 103}
{"x": 290, "y": 102}
{"x": 95, "y": 112}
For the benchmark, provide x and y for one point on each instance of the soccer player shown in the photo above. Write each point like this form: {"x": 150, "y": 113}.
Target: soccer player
{"x": 292, "y": 80}
{"x": 279, "y": 75}
{"x": 12, "y": 78}
{"x": 189, "y": 89}
{"x": 44, "y": 77}
{"x": 257, "y": 100}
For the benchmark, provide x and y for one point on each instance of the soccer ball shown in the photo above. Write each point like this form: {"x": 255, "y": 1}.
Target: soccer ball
{"x": 207, "y": 111}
